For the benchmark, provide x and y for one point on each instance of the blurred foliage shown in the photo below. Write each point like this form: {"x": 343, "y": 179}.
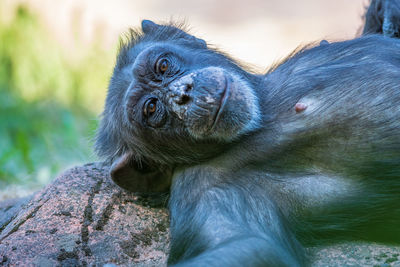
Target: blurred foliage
{"x": 48, "y": 100}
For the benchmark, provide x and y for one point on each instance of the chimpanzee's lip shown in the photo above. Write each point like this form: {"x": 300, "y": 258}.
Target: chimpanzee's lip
{"x": 222, "y": 102}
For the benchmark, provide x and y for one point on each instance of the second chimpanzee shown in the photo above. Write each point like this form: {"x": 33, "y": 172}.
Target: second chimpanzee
{"x": 261, "y": 165}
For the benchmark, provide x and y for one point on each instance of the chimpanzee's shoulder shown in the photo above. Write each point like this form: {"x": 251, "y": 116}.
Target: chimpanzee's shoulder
{"x": 374, "y": 45}
{"x": 370, "y": 49}
{"x": 377, "y": 45}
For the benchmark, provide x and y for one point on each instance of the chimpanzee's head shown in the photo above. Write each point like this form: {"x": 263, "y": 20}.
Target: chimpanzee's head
{"x": 172, "y": 100}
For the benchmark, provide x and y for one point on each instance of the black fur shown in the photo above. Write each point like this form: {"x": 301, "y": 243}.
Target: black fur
{"x": 261, "y": 165}
{"x": 383, "y": 16}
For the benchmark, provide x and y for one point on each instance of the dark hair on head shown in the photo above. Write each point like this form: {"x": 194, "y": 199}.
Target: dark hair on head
{"x": 171, "y": 31}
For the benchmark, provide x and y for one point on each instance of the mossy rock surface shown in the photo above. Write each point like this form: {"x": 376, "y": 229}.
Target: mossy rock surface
{"x": 82, "y": 219}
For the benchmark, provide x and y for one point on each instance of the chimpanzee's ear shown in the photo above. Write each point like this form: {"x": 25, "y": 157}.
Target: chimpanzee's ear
{"x": 149, "y": 26}
{"x": 142, "y": 178}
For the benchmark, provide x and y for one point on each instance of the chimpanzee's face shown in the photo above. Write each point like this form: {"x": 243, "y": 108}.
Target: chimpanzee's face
{"x": 172, "y": 99}
{"x": 190, "y": 91}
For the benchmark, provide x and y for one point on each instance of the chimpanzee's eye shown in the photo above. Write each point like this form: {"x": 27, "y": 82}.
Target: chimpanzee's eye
{"x": 162, "y": 65}
{"x": 150, "y": 106}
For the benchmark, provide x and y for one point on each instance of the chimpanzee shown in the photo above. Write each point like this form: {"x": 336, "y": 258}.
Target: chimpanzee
{"x": 260, "y": 164}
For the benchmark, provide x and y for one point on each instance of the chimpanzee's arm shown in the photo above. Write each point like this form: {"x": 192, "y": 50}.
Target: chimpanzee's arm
{"x": 218, "y": 222}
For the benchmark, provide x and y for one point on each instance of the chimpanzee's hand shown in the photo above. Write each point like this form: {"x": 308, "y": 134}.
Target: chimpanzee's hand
{"x": 383, "y": 16}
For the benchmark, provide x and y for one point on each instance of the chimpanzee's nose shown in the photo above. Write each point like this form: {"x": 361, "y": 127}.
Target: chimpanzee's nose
{"x": 183, "y": 96}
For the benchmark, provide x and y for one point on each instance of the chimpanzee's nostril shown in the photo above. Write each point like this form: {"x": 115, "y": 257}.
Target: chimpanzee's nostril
{"x": 188, "y": 87}
{"x": 183, "y": 100}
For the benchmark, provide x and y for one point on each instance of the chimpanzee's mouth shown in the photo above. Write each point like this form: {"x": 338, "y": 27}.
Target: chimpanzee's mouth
{"x": 222, "y": 102}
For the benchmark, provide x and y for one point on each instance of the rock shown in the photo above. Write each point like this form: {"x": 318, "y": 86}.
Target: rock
{"x": 355, "y": 254}
{"x": 83, "y": 219}
{"x": 10, "y": 208}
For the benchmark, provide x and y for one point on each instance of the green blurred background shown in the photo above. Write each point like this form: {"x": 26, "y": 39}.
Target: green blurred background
{"x": 48, "y": 100}
{"x": 56, "y": 58}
